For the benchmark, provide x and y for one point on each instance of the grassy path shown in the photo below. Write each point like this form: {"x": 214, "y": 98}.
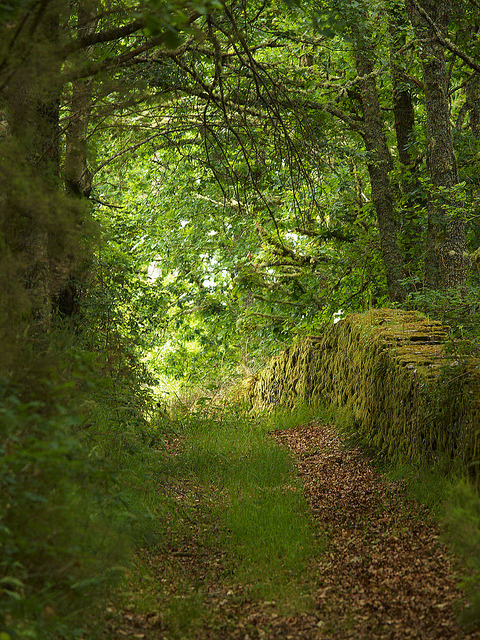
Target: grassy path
{"x": 242, "y": 557}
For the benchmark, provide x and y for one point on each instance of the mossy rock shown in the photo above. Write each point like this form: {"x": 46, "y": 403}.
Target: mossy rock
{"x": 390, "y": 370}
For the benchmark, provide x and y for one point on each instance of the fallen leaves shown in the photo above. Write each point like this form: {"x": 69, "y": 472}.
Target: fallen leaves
{"x": 386, "y": 574}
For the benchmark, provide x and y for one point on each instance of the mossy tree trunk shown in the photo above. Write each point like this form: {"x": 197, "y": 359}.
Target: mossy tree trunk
{"x": 380, "y": 163}
{"x": 77, "y": 176}
{"x": 473, "y": 103}
{"x": 42, "y": 230}
{"x": 446, "y": 246}
{"x": 33, "y": 111}
{"x": 404, "y": 122}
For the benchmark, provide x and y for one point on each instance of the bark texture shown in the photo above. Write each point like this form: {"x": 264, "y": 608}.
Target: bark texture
{"x": 33, "y": 99}
{"x": 78, "y": 179}
{"x": 473, "y": 103}
{"x": 41, "y": 229}
{"x": 380, "y": 163}
{"x": 404, "y": 121}
{"x": 446, "y": 216}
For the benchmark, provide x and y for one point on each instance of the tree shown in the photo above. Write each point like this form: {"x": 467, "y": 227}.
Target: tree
{"x": 412, "y": 199}
{"x": 292, "y": 133}
{"x": 219, "y": 177}
{"x": 44, "y": 233}
{"x": 446, "y": 214}
{"x": 379, "y": 161}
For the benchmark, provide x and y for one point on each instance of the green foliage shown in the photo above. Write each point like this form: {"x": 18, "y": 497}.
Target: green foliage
{"x": 75, "y": 497}
{"x": 236, "y": 213}
{"x": 57, "y": 543}
{"x": 171, "y": 21}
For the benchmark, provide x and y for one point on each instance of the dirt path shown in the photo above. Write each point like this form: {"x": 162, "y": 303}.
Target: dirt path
{"x": 385, "y": 574}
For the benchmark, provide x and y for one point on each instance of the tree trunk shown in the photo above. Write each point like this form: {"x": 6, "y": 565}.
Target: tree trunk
{"x": 473, "y": 103}
{"x": 77, "y": 176}
{"x": 33, "y": 99}
{"x": 446, "y": 216}
{"x": 404, "y": 121}
{"x": 380, "y": 163}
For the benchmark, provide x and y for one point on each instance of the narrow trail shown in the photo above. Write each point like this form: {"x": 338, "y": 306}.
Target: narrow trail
{"x": 385, "y": 573}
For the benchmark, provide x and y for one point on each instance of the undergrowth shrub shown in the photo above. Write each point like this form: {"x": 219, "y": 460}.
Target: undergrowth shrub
{"x": 55, "y": 533}
{"x": 77, "y": 459}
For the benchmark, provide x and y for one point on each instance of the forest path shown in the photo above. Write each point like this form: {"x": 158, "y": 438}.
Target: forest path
{"x": 384, "y": 575}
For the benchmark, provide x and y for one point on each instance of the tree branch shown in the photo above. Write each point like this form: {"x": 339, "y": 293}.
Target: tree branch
{"x": 226, "y": 203}
{"x": 282, "y": 250}
{"x": 123, "y": 151}
{"x": 105, "y": 36}
{"x": 288, "y": 302}
{"x": 117, "y": 61}
{"x": 330, "y": 234}
{"x": 128, "y": 56}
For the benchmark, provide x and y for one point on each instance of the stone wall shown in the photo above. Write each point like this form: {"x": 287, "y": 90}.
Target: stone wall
{"x": 390, "y": 370}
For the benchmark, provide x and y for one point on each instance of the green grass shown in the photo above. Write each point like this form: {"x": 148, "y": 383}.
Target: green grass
{"x": 245, "y": 504}
{"x": 261, "y": 510}
{"x": 286, "y": 418}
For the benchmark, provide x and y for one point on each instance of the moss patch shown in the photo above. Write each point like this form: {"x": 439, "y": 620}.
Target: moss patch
{"x": 390, "y": 370}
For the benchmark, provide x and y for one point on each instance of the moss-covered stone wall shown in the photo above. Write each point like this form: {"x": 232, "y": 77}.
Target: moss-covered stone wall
{"x": 390, "y": 370}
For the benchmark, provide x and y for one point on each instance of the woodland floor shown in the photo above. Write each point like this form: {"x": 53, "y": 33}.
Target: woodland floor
{"x": 384, "y": 575}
